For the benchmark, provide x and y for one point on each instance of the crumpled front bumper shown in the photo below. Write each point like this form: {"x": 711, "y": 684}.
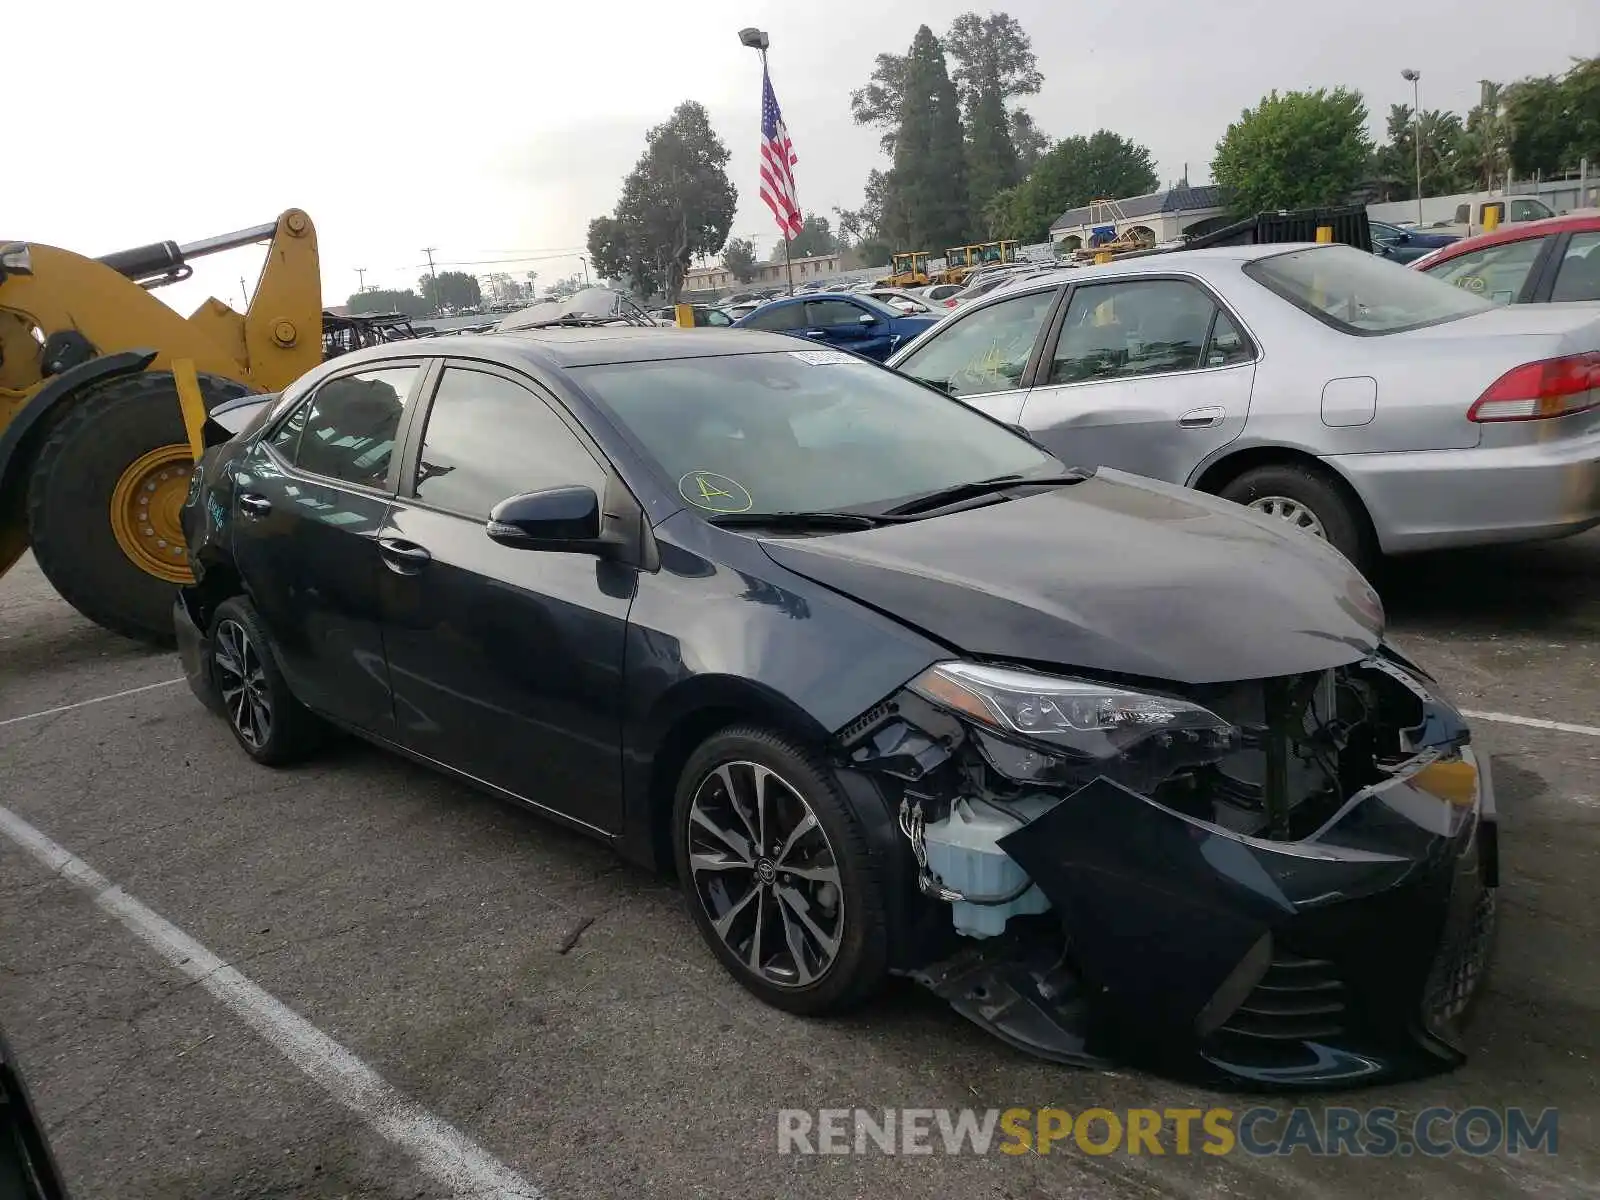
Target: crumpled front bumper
{"x": 1347, "y": 956}
{"x": 1301, "y": 964}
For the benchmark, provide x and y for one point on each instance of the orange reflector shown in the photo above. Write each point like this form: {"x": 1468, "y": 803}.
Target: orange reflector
{"x": 1455, "y": 781}
{"x": 937, "y": 687}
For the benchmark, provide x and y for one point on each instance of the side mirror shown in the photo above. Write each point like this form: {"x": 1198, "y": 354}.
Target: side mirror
{"x": 867, "y": 319}
{"x": 562, "y": 518}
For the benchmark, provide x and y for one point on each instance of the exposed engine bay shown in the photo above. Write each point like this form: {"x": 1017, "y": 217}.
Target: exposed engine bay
{"x": 1081, "y": 832}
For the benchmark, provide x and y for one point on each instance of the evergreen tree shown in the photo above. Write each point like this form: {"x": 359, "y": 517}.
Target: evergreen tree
{"x": 994, "y": 63}
{"x": 929, "y": 180}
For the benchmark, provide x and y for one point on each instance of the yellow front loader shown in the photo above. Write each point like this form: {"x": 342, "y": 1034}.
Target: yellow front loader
{"x": 103, "y": 390}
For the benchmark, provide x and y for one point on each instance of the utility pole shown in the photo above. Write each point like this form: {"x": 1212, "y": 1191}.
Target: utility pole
{"x": 1416, "y": 135}
{"x": 244, "y": 291}
{"x": 435, "y": 275}
{"x": 361, "y": 280}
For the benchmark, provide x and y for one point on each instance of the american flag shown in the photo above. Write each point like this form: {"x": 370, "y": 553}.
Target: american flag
{"x": 777, "y": 163}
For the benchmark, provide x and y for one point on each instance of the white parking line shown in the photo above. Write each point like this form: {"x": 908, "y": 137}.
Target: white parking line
{"x": 1531, "y": 722}
{"x": 445, "y": 1154}
{"x": 50, "y": 712}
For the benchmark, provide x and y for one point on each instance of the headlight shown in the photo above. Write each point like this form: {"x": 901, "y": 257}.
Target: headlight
{"x": 1097, "y": 722}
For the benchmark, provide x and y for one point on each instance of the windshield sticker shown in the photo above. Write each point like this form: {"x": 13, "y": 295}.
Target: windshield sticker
{"x": 707, "y": 489}
{"x": 824, "y": 358}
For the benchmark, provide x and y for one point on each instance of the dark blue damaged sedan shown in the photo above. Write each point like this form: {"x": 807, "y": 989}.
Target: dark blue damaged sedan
{"x": 1122, "y": 771}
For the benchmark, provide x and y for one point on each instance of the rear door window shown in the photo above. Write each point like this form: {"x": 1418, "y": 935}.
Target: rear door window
{"x": 346, "y": 429}
{"x": 1145, "y": 327}
{"x": 826, "y": 314}
{"x": 779, "y": 317}
{"x": 1578, "y": 277}
{"x": 1496, "y": 273}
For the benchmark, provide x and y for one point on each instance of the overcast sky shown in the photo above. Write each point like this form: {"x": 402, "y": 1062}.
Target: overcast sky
{"x": 496, "y": 130}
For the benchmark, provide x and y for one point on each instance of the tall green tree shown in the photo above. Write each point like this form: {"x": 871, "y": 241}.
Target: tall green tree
{"x": 387, "y": 300}
{"x": 927, "y": 188}
{"x": 1483, "y": 145}
{"x": 677, "y": 205}
{"x": 1295, "y": 150}
{"x": 878, "y": 103}
{"x": 815, "y": 237}
{"x": 1076, "y": 171}
{"x": 739, "y": 257}
{"x": 1552, "y": 123}
{"x": 1395, "y": 163}
{"x": 994, "y": 62}
{"x": 1031, "y": 142}
{"x": 456, "y": 289}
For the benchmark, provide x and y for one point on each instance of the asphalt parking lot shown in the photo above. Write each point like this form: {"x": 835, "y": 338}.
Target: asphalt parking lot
{"x": 420, "y": 972}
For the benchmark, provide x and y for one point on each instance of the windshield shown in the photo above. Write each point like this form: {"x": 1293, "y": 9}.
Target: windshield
{"x": 1360, "y": 293}
{"x": 803, "y": 431}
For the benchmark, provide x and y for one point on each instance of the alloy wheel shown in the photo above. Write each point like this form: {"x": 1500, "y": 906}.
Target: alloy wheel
{"x": 1292, "y": 511}
{"x": 765, "y": 874}
{"x": 242, "y": 680}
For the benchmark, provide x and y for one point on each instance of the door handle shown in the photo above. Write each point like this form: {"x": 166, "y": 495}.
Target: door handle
{"x": 816, "y": 333}
{"x": 254, "y": 505}
{"x": 1202, "y": 418}
{"x": 403, "y": 557}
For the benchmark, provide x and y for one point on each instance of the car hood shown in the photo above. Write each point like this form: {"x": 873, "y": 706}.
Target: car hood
{"x": 1116, "y": 574}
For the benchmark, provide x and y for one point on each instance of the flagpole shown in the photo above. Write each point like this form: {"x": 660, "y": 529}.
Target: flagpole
{"x": 788, "y": 264}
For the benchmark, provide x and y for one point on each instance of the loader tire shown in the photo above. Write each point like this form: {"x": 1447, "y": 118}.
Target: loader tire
{"x": 102, "y": 432}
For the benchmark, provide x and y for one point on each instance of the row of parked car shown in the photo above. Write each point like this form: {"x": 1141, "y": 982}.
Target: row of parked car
{"x": 1343, "y": 392}
{"x": 1346, "y": 394}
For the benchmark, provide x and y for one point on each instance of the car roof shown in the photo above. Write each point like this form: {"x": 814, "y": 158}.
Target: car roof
{"x": 832, "y": 294}
{"x": 583, "y": 346}
{"x": 1150, "y": 264}
{"x": 1519, "y": 231}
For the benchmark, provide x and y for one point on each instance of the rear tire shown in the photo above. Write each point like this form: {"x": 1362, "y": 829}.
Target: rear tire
{"x": 267, "y": 721}
{"x": 104, "y": 430}
{"x": 820, "y": 905}
{"x": 1305, "y": 492}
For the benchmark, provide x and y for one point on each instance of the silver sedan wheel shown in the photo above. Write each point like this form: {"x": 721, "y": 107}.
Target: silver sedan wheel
{"x": 765, "y": 874}
{"x": 1292, "y": 511}
{"x": 243, "y": 683}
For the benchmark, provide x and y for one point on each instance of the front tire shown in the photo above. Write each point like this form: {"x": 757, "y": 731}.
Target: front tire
{"x": 1307, "y": 499}
{"x": 776, "y": 873}
{"x": 103, "y": 499}
{"x": 267, "y": 721}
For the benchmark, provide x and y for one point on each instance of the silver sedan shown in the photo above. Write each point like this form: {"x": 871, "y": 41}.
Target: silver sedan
{"x": 1370, "y": 405}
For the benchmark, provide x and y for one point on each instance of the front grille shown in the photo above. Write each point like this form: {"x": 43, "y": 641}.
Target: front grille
{"x": 1297, "y": 999}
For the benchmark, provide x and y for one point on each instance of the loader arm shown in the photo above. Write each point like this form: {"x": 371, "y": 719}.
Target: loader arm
{"x": 62, "y": 317}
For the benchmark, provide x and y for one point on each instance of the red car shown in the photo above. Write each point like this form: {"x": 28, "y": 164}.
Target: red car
{"x": 1533, "y": 262}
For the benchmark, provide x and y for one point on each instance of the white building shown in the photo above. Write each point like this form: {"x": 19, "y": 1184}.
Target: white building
{"x": 1158, "y": 217}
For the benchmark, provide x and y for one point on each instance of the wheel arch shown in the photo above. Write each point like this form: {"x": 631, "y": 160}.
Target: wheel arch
{"x": 25, "y": 432}
{"x": 1214, "y": 476}
{"x": 682, "y": 719}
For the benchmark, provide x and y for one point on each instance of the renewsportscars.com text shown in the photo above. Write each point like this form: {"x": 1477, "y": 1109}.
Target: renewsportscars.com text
{"x": 1333, "y": 1131}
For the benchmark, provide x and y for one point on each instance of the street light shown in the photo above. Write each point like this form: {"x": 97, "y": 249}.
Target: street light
{"x": 1416, "y": 115}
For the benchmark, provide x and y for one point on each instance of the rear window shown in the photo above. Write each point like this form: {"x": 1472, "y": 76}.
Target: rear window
{"x": 1359, "y": 293}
